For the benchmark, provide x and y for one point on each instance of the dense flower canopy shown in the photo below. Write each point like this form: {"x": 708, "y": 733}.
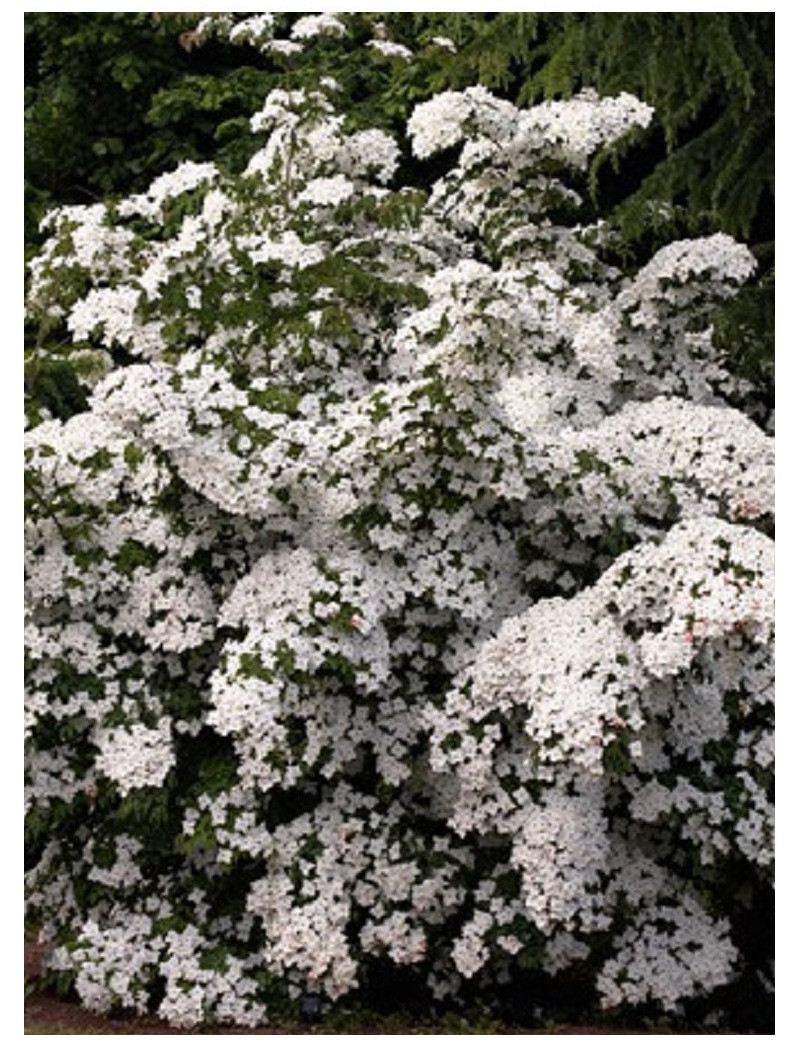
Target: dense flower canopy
{"x": 405, "y": 593}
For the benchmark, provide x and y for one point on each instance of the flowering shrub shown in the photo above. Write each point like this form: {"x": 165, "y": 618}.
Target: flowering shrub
{"x": 404, "y": 595}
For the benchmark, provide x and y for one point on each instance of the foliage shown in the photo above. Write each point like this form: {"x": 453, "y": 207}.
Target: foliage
{"x": 89, "y": 80}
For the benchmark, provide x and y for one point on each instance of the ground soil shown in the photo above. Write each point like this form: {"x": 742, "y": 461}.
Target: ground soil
{"x": 44, "y": 1011}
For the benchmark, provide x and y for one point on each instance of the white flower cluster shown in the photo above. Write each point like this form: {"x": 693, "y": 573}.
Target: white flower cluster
{"x": 325, "y": 24}
{"x": 312, "y": 889}
{"x": 112, "y": 313}
{"x": 672, "y": 952}
{"x": 259, "y": 31}
{"x": 574, "y": 130}
{"x": 82, "y": 238}
{"x": 602, "y": 687}
{"x": 569, "y": 131}
{"x": 390, "y": 49}
{"x": 404, "y": 595}
{"x": 445, "y": 43}
{"x": 185, "y": 178}
{"x": 307, "y": 141}
{"x": 140, "y": 757}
